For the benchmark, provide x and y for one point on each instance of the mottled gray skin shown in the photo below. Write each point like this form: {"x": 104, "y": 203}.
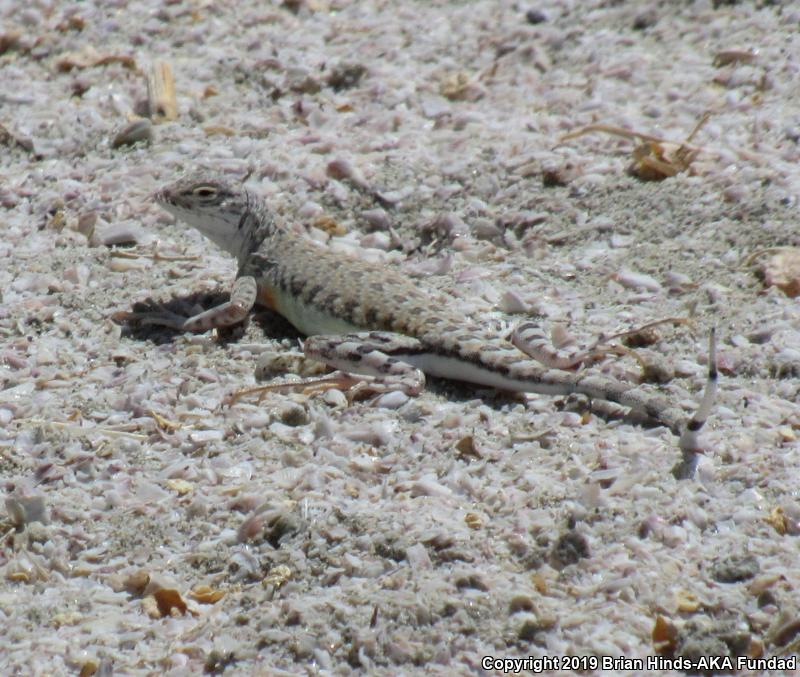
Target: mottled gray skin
{"x": 323, "y": 292}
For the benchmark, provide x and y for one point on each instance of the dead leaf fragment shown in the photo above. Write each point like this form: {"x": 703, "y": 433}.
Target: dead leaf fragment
{"x": 540, "y": 583}
{"x": 218, "y": 130}
{"x": 733, "y": 56}
{"x": 89, "y": 668}
{"x": 459, "y": 86}
{"x": 66, "y": 618}
{"x": 473, "y": 520}
{"x": 665, "y": 636}
{"x": 136, "y": 583}
{"x": 180, "y": 487}
{"x": 206, "y": 595}
{"x": 9, "y": 40}
{"x": 164, "y": 423}
{"x": 783, "y": 271}
{"x": 756, "y": 648}
{"x": 778, "y": 521}
{"x": 278, "y": 575}
{"x": 328, "y": 225}
{"x": 170, "y": 602}
{"x": 466, "y": 448}
{"x": 687, "y": 601}
{"x": 654, "y": 159}
{"x": 89, "y": 57}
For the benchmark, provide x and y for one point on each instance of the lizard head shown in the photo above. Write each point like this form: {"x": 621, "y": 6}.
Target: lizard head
{"x": 219, "y": 210}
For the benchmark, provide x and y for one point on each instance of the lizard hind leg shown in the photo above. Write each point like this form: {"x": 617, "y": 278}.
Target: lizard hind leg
{"x": 531, "y": 339}
{"x": 375, "y": 354}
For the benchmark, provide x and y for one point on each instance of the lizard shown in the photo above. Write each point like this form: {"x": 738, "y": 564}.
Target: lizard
{"x": 369, "y": 319}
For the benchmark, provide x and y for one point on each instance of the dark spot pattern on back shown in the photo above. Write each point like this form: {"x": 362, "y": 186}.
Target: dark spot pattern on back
{"x": 295, "y": 287}
{"x": 312, "y": 292}
{"x": 349, "y": 309}
{"x": 329, "y": 302}
{"x": 370, "y": 317}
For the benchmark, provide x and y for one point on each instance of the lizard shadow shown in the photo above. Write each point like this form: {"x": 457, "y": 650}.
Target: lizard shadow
{"x": 271, "y": 324}
{"x": 502, "y": 400}
{"x": 275, "y": 326}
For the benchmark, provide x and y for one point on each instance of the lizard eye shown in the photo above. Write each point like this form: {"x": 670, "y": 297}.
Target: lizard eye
{"x": 205, "y": 192}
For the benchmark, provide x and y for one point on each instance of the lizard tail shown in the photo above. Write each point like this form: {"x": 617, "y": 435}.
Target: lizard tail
{"x": 689, "y": 443}
{"x": 503, "y": 368}
{"x": 658, "y": 409}
{"x": 672, "y": 417}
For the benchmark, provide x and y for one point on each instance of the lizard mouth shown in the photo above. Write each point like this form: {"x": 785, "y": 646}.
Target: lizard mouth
{"x": 167, "y": 198}
{"x": 161, "y": 196}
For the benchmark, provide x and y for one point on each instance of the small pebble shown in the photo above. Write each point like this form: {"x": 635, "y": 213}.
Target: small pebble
{"x": 645, "y": 18}
{"x": 294, "y": 415}
{"x": 531, "y": 625}
{"x": 520, "y": 603}
{"x": 535, "y": 16}
{"x": 23, "y": 510}
{"x": 203, "y": 436}
{"x": 124, "y": 233}
{"x": 570, "y": 548}
{"x": 345, "y": 76}
{"x": 511, "y": 302}
{"x": 377, "y": 219}
{"x": 335, "y": 398}
{"x": 735, "y": 569}
{"x": 392, "y": 400}
{"x": 138, "y": 130}
{"x": 380, "y": 241}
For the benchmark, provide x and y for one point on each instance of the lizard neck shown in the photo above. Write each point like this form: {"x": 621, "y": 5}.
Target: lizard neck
{"x": 239, "y": 231}
{"x": 256, "y": 225}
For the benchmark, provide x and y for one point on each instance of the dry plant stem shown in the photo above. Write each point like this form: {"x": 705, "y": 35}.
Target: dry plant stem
{"x": 163, "y": 423}
{"x": 161, "y": 99}
{"x": 155, "y": 256}
{"x": 633, "y": 134}
{"x": 76, "y": 429}
{"x": 644, "y": 327}
{"x": 341, "y": 382}
{"x": 609, "y": 129}
{"x": 750, "y": 260}
{"x": 702, "y": 121}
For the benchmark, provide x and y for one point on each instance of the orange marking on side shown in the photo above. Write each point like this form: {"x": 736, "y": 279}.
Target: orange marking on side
{"x": 266, "y": 298}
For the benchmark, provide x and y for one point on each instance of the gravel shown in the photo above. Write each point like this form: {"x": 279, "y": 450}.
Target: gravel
{"x": 155, "y": 525}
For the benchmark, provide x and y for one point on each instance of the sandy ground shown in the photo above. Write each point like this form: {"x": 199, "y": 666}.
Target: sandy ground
{"x": 153, "y": 529}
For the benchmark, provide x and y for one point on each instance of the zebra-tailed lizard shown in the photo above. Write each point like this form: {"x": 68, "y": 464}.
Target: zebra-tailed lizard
{"x": 369, "y": 319}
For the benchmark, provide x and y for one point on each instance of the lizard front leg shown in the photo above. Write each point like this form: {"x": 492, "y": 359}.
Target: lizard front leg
{"x": 374, "y": 354}
{"x": 243, "y": 298}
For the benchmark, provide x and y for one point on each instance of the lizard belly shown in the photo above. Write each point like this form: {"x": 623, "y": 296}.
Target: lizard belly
{"x": 308, "y": 320}
{"x": 455, "y": 369}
